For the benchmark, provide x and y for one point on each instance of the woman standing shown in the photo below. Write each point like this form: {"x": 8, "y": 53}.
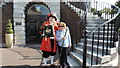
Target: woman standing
{"x": 48, "y": 45}
{"x": 64, "y": 42}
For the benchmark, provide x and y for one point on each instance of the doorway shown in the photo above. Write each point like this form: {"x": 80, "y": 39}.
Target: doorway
{"x": 35, "y": 15}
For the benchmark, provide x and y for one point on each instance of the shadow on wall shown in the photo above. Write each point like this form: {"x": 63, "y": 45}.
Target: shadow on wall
{"x": 71, "y": 19}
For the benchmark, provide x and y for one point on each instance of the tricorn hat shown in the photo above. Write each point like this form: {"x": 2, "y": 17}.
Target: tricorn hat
{"x": 51, "y": 15}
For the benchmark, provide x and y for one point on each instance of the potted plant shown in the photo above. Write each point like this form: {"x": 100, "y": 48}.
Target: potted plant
{"x": 9, "y": 34}
{"x": 99, "y": 13}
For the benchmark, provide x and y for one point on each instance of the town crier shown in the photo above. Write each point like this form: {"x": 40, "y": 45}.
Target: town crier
{"x": 48, "y": 45}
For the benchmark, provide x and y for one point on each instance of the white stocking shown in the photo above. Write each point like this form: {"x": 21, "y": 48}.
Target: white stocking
{"x": 52, "y": 59}
{"x": 45, "y": 61}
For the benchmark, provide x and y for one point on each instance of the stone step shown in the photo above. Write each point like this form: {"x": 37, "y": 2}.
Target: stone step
{"x": 101, "y": 37}
{"x": 94, "y": 18}
{"x": 101, "y": 59}
{"x": 78, "y": 11}
{"x": 72, "y": 62}
{"x": 93, "y": 26}
{"x": 100, "y": 48}
{"x": 95, "y": 22}
{"x": 79, "y": 59}
{"x": 101, "y": 32}
{"x": 111, "y": 50}
{"x": 89, "y": 41}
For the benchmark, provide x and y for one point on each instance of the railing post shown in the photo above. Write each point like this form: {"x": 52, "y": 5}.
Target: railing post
{"x": 98, "y": 46}
{"x": 92, "y": 49}
{"x": 107, "y": 46}
{"x": 111, "y": 35}
{"x": 85, "y": 50}
{"x": 103, "y": 45}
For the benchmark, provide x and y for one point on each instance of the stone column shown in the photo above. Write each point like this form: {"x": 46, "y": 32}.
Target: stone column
{"x": 19, "y": 22}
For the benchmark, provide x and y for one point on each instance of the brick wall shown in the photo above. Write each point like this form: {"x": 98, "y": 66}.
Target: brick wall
{"x": 7, "y": 13}
{"x": 71, "y": 19}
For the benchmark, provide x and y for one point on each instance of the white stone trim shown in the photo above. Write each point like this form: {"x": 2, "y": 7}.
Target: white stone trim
{"x": 17, "y": 19}
{"x": 18, "y": 28}
{"x": 19, "y": 11}
{"x": 17, "y": 15}
{"x": 19, "y": 42}
{"x": 20, "y": 37}
{"x": 19, "y": 6}
{"x": 19, "y": 32}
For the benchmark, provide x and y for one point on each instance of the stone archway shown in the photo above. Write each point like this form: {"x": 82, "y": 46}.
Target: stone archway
{"x": 35, "y": 14}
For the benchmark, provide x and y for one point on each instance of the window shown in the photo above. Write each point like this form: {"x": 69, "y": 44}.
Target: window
{"x": 38, "y": 9}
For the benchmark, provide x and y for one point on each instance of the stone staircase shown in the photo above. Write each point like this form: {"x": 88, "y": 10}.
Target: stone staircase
{"x": 76, "y": 57}
{"x": 78, "y": 11}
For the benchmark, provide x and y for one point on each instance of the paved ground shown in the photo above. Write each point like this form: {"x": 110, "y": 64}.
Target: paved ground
{"x": 20, "y": 56}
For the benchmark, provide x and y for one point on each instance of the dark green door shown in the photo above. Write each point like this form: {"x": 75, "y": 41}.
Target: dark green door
{"x": 34, "y": 23}
{"x": 35, "y": 15}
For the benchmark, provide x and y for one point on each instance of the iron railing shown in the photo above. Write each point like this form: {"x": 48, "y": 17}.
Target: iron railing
{"x": 106, "y": 30}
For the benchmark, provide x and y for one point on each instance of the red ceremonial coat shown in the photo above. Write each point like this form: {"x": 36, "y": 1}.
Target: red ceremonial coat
{"x": 46, "y": 44}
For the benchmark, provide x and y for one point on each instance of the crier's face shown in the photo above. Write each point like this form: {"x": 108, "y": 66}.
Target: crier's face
{"x": 51, "y": 19}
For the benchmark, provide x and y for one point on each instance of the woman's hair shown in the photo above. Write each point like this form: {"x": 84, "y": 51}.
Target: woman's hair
{"x": 62, "y": 23}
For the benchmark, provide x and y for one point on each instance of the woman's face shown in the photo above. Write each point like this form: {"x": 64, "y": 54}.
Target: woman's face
{"x": 51, "y": 19}
{"x": 61, "y": 27}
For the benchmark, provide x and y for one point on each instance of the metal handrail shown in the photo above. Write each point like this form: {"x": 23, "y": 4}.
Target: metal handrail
{"x": 112, "y": 39}
{"x": 105, "y": 22}
{"x": 83, "y": 17}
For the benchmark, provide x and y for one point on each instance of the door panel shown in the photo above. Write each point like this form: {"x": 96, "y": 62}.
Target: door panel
{"x": 34, "y": 23}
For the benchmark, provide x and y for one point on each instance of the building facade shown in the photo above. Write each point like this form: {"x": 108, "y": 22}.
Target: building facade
{"x": 27, "y": 16}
